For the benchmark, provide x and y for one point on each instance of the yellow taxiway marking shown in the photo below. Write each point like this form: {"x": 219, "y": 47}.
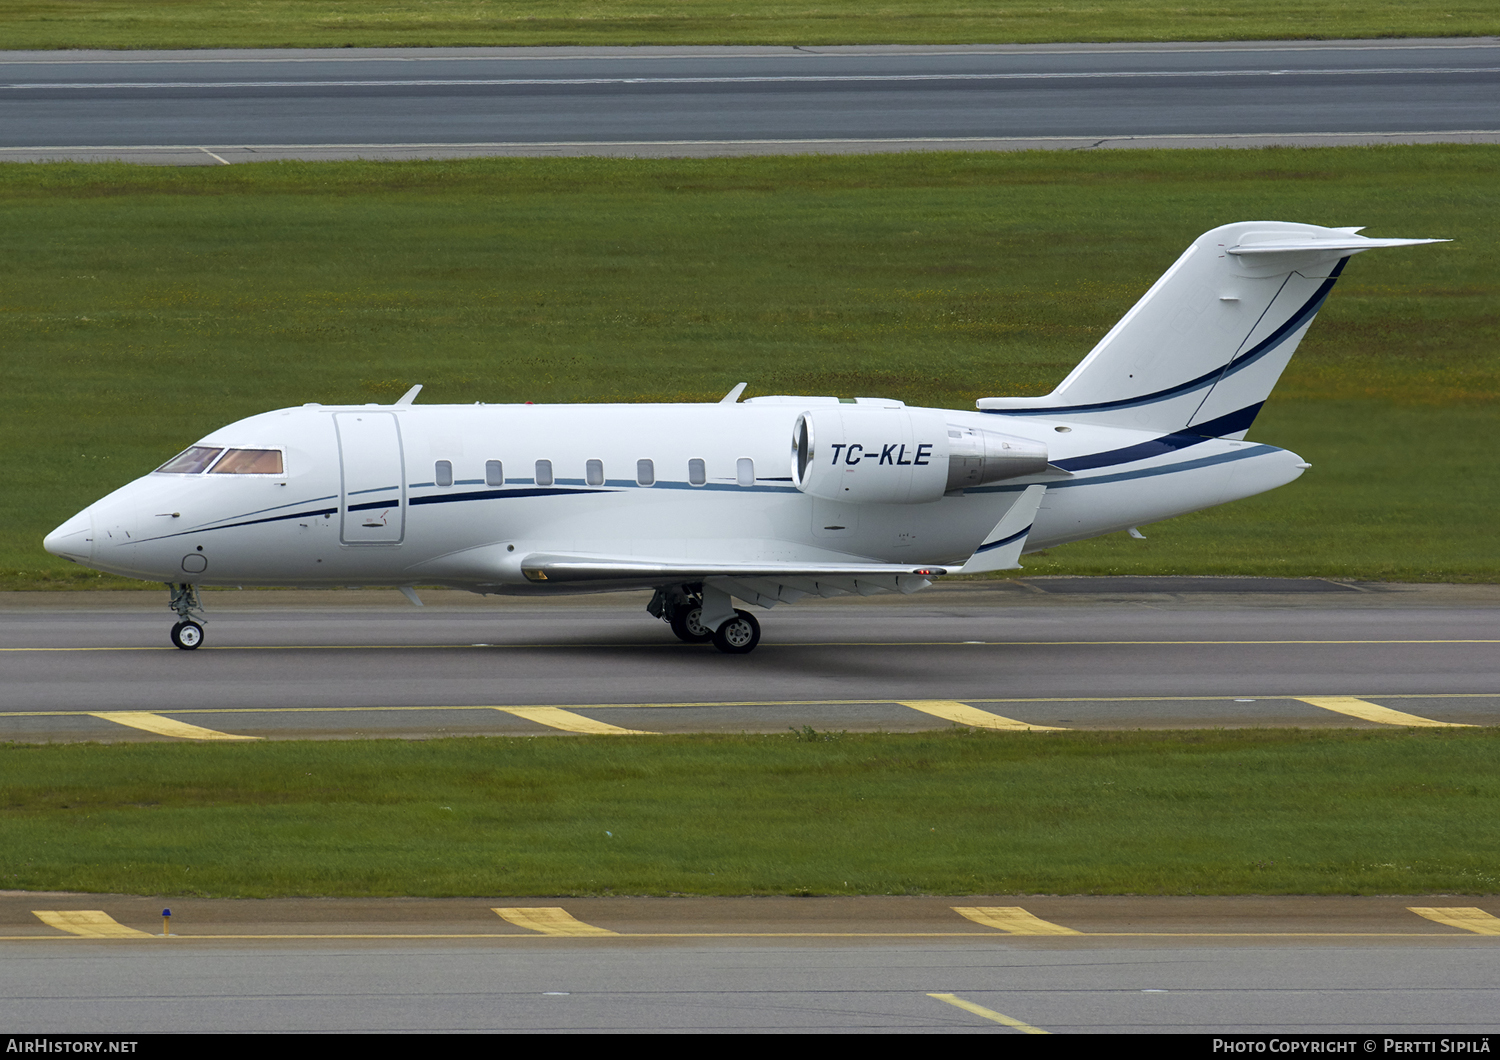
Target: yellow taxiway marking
{"x": 88, "y": 923}
{"x": 1359, "y": 708}
{"x": 1012, "y": 919}
{"x": 510, "y": 936}
{"x": 557, "y": 718}
{"x": 144, "y": 719}
{"x": 1466, "y": 917}
{"x": 741, "y": 703}
{"x": 551, "y": 920}
{"x": 963, "y": 714}
{"x": 989, "y": 1013}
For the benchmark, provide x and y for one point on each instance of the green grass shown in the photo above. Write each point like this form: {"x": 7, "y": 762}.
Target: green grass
{"x": 1225, "y": 812}
{"x": 142, "y": 307}
{"x": 423, "y": 23}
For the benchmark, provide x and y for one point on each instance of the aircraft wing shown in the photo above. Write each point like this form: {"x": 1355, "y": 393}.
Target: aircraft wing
{"x": 764, "y": 584}
{"x": 569, "y": 567}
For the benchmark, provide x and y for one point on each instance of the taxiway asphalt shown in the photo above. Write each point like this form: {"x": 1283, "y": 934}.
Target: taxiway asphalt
{"x": 222, "y": 107}
{"x": 1292, "y": 966}
{"x": 1126, "y": 652}
{"x": 1167, "y": 653}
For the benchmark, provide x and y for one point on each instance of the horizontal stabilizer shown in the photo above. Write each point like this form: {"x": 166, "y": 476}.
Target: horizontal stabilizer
{"x": 1348, "y": 245}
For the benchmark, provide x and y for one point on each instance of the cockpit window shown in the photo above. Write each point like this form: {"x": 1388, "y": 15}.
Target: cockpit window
{"x": 249, "y": 462}
{"x": 190, "y": 461}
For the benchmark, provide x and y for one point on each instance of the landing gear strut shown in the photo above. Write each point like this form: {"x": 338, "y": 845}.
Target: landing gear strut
{"x": 682, "y": 606}
{"x": 188, "y": 632}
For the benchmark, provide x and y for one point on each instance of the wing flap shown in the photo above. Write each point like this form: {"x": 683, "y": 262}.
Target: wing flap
{"x": 563, "y": 567}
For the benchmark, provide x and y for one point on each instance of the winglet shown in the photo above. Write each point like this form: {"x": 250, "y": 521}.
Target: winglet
{"x": 410, "y": 396}
{"x": 1002, "y": 546}
{"x": 734, "y": 395}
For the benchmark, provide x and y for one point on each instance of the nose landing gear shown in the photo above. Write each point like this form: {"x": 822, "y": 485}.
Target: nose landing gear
{"x": 188, "y": 632}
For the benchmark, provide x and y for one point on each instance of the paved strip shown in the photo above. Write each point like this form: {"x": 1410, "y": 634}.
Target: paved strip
{"x": 195, "y": 154}
{"x": 144, "y": 719}
{"x": 674, "y": 645}
{"x": 989, "y": 1014}
{"x": 550, "y": 920}
{"x": 748, "y": 703}
{"x": 641, "y": 935}
{"x": 795, "y": 79}
{"x": 1359, "y": 708}
{"x": 89, "y": 924}
{"x": 963, "y": 714}
{"x": 1013, "y": 920}
{"x": 1466, "y": 917}
{"x": 557, "y": 718}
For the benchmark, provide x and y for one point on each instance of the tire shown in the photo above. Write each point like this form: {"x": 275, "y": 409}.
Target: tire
{"x": 687, "y": 627}
{"x": 739, "y": 635}
{"x": 187, "y": 635}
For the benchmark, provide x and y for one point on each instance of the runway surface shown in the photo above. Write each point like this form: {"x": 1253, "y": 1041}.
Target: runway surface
{"x": 1153, "y": 653}
{"x": 1035, "y": 965}
{"x": 1066, "y": 652}
{"x": 215, "y": 107}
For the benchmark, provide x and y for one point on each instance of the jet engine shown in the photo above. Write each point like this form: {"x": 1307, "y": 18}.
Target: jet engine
{"x": 895, "y": 455}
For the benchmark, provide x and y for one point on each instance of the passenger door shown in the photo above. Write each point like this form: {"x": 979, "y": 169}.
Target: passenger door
{"x": 372, "y": 497}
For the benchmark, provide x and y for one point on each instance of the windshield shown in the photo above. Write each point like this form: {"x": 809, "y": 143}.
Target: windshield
{"x": 249, "y": 462}
{"x": 190, "y": 461}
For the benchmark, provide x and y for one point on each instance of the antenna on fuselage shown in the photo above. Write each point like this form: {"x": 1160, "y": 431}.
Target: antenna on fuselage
{"x": 410, "y": 396}
{"x": 734, "y": 395}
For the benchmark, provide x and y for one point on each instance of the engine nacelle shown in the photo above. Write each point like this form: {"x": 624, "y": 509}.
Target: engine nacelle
{"x": 977, "y": 456}
{"x": 865, "y": 454}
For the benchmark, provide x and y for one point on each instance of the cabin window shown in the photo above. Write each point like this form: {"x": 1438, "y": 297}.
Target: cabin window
{"x": 645, "y": 473}
{"x": 190, "y": 461}
{"x": 494, "y": 474}
{"x": 544, "y": 472}
{"x": 697, "y": 472}
{"x": 744, "y": 471}
{"x": 593, "y": 472}
{"x": 249, "y": 462}
{"x": 442, "y": 471}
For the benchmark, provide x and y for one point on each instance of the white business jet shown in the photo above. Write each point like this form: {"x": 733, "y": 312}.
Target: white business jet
{"x": 763, "y": 501}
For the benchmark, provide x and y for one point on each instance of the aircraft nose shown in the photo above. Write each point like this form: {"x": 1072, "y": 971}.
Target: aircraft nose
{"x": 74, "y": 539}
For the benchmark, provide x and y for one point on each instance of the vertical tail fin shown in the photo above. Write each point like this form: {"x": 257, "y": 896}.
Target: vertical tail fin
{"x": 1202, "y": 349}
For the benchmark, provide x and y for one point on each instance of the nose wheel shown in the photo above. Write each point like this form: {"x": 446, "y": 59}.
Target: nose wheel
{"x": 187, "y": 635}
{"x": 188, "y": 632}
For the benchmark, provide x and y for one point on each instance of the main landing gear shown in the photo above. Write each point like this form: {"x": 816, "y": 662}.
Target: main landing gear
{"x": 188, "y": 632}
{"x": 682, "y": 607}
